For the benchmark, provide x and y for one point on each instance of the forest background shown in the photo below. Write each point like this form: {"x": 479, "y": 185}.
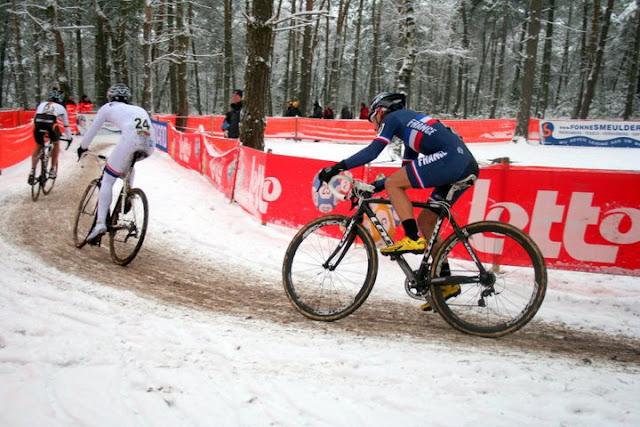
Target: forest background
{"x": 455, "y": 59}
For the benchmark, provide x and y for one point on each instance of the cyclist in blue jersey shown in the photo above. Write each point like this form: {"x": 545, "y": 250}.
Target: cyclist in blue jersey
{"x": 434, "y": 157}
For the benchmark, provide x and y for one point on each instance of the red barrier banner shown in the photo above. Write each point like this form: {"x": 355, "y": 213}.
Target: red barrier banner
{"x": 187, "y": 149}
{"x": 16, "y": 144}
{"x": 250, "y": 179}
{"x": 581, "y": 219}
{"x": 281, "y": 127}
{"x": 220, "y": 161}
{"x": 488, "y": 130}
{"x": 286, "y": 195}
{"x": 335, "y": 130}
{"x": 9, "y": 119}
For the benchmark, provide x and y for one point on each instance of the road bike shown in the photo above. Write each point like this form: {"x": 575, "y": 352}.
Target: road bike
{"x": 42, "y": 179}
{"x": 331, "y": 265}
{"x": 127, "y": 221}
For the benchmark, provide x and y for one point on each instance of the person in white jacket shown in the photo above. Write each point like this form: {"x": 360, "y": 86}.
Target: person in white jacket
{"x": 46, "y": 122}
{"x": 137, "y": 136}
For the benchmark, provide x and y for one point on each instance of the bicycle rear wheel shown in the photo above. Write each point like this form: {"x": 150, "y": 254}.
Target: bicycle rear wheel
{"x": 511, "y": 291}
{"x": 128, "y": 227}
{"x": 86, "y": 213}
{"x": 47, "y": 181}
{"x": 38, "y": 176}
{"x": 329, "y": 290}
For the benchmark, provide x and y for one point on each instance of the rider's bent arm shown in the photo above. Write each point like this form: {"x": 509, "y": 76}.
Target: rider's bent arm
{"x": 367, "y": 154}
{"x": 93, "y": 129}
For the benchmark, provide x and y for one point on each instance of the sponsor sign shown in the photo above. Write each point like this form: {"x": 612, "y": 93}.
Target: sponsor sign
{"x": 160, "y": 135}
{"x": 596, "y": 133}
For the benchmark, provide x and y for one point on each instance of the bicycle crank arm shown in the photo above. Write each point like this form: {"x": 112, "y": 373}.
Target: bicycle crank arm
{"x": 453, "y": 280}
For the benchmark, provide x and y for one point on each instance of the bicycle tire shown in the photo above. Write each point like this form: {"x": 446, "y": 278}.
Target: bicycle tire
{"x": 86, "y": 213}
{"x": 38, "y": 172}
{"x": 326, "y": 294}
{"x": 128, "y": 230}
{"x": 520, "y": 280}
{"x": 47, "y": 181}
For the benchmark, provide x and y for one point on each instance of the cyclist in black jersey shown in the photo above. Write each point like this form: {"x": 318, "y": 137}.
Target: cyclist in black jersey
{"x": 46, "y": 122}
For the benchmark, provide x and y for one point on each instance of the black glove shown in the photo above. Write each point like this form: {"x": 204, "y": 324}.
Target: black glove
{"x": 379, "y": 185}
{"x": 330, "y": 171}
{"x": 81, "y": 151}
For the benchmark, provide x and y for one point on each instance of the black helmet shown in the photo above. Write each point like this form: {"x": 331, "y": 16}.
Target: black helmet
{"x": 56, "y": 96}
{"x": 118, "y": 92}
{"x": 388, "y": 100}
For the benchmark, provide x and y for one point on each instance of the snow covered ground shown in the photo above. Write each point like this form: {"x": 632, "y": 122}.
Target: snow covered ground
{"x": 78, "y": 353}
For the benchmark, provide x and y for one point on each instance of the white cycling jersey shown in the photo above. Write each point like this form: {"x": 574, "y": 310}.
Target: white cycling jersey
{"x": 137, "y": 133}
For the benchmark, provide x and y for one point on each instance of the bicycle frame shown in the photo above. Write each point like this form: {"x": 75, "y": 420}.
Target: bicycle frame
{"x": 420, "y": 278}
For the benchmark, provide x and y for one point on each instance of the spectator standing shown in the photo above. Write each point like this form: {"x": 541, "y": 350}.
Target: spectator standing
{"x": 231, "y": 123}
{"x": 328, "y": 113}
{"x": 345, "y": 114}
{"x": 295, "y": 110}
{"x": 72, "y": 112}
{"x": 317, "y": 111}
{"x": 364, "y": 111}
{"x": 85, "y": 105}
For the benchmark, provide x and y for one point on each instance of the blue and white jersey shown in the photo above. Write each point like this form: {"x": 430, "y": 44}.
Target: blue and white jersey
{"x": 421, "y": 134}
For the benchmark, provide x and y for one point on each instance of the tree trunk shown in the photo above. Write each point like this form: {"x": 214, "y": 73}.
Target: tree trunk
{"x": 182, "y": 54}
{"x": 307, "y": 60}
{"x": 147, "y": 88}
{"x": 546, "y": 62}
{"x": 257, "y": 73}
{"x": 497, "y": 88}
{"x": 407, "y": 45}
{"x": 529, "y": 66}
{"x": 228, "y": 51}
{"x": 633, "y": 72}
{"x": 374, "y": 85}
{"x": 21, "y": 86}
{"x": 356, "y": 58}
{"x": 597, "y": 64}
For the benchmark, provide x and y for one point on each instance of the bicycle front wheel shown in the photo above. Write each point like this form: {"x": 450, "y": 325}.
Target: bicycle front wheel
{"x": 38, "y": 177}
{"x": 86, "y": 213}
{"x": 511, "y": 289}
{"x": 327, "y": 275}
{"x": 128, "y": 227}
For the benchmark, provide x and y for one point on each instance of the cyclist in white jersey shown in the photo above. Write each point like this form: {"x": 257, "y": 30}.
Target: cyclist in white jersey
{"x": 46, "y": 122}
{"x": 137, "y": 136}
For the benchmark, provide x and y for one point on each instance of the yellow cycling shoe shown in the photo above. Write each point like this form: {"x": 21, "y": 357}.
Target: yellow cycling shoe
{"x": 406, "y": 245}
{"x": 448, "y": 291}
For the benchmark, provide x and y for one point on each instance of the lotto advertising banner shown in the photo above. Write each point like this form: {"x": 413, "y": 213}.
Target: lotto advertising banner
{"x": 597, "y": 133}
{"x": 220, "y": 162}
{"x": 16, "y": 144}
{"x": 581, "y": 219}
{"x": 187, "y": 149}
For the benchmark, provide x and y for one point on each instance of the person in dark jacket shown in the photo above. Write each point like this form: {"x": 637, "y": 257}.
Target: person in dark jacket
{"x": 231, "y": 123}
{"x": 317, "y": 111}
{"x": 345, "y": 114}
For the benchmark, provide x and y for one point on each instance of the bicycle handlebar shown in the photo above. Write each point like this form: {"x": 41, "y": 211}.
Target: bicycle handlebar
{"x": 356, "y": 189}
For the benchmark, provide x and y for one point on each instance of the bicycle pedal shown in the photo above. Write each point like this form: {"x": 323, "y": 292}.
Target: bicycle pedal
{"x": 96, "y": 241}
